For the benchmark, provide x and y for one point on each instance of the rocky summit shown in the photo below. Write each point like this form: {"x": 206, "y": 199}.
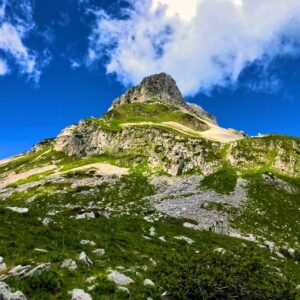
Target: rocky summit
{"x": 153, "y": 200}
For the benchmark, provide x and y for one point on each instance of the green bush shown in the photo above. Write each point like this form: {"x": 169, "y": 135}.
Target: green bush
{"x": 223, "y": 181}
{"x": 212, "y": 275}
{"x": 48, "y": 281}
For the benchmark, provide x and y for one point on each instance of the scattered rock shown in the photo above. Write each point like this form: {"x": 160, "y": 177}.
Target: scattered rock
{"x": 162, "y": 238}
{"x": 87, "y": 215}
{"x": 148, "y": 282}
{"x": 91, "y": 279}
{"x": 38, "y": 270}
{"x": 123, "y": 289}
{"x": 78, "y": 294}
{"x": 40, "y": 250}
{"x": 84, "y": 258}
{"x": 167, "y": 295}
{"x": 3, "y": 266}
{"x": 152, "y": 231}
{"x": 6, "y": 293}
{"x": 87, "y": 242}
{"x": 69, "y": 264}
{"x": 119, "y": 278}
{"x": 270, "y": 245}
{"x": 20, "y": 210}
{"x": 190, "y": 225}
{"x": 47, "y": 221}
{"x": 279, "y": 255}
{"x": 17, "y": 272}
{"x": 99, "y": 252}
{"x": 220, "y": 250}
{"x": 184, "y": 238}
{"x": 279, "y": 183}
{"x": 91, "y": 288}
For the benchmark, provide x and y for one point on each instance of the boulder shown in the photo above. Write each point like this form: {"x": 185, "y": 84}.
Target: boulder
{"x": 39, "y": 270}
{"x": 20, "y": 210}
{"x": 69, "y": 264}
{"x": 84, "y": 258}
{"x": 119, "y": 278}
{"x": 6, "y": 293}
{"x": 87, "y": 242}
{"x": 148, "y": 282}
{"x": 78, "y": 294}
{"x": 99, "y": 252}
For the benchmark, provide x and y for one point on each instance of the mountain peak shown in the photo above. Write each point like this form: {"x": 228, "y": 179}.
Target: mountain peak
{"x": 160, "y": 88}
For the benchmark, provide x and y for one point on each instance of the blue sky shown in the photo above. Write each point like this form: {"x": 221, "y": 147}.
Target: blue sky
{"x": 75, "y": 57}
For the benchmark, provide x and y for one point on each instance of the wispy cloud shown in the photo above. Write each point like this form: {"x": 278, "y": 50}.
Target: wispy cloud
{"x": 15, "y": 25}
{"x": 202, "y": 43}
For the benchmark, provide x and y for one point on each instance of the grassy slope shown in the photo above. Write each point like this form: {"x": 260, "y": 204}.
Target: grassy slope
{"x": 242, "y": 269}
{"x": 148, "y": 112}
{"x": 122, "y": 237}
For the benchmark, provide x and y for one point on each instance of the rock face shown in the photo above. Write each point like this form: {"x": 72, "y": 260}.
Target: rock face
{"x": 173, "y": 153}
{"x": 161, "y": 88}
{"x": 171, "y": 149}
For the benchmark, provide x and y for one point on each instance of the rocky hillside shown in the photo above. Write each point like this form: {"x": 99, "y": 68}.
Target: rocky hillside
{"x": 153, "y": 200}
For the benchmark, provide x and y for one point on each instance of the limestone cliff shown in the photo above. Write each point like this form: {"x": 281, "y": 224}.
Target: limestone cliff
{"x": 154, "y": 121}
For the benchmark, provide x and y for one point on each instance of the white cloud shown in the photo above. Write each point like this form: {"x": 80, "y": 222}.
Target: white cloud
{"x": 201, "y": 43}
{"x": 75, "y": 64}
{"x": 3, "y": 67}
{"x": 15, "y": 25}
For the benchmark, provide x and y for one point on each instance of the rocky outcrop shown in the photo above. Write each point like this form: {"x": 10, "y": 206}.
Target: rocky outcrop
{"x": 173, "y": 153}
{"x": 161, "y": 88}
{"x": 281, "y": 153}
{"x": 177, "y": 154}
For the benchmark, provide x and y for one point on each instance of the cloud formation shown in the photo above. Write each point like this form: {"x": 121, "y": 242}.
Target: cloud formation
{"x": 15, "y": 24}
{"x": 202, "y": 43}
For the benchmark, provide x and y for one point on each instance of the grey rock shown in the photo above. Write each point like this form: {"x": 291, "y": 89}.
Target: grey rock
{"x": 78, "y": 294}
{"x": 119, "y": 278}
{"x": 17, "y": 272}
{"x": 69, "y": 264}
{"x": 87, "y": 242}
{"x": 161, "y": 87}
{"x": 87, "y": 215}
{"x": 148, "y": 282}
{"x": 38, "y": 270}
{"x": 6, "y": 293}
{"x": 99, "y": 252}
{"x": 20, "y": 210}
{"x": 84, "y": 258}
{"x": 47, "y": 221}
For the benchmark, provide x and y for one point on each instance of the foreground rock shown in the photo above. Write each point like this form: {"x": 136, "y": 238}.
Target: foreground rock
{"x": 69, "y": 264}
{"x": 6, "y": 293}
{"x": 85, "y": 259}
{"x": 78, "y": 294}
{"x": 119, "y": 278}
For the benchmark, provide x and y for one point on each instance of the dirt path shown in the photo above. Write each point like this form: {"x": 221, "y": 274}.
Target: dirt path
{"x": 12, "y": 178}
{"x": 214, "y": 133}
{"x": 102, "y": 168}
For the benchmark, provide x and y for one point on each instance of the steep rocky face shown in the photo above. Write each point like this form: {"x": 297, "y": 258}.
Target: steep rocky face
{"x": 159, "y": 87}
{"x": 178, "y": 154}
{"x": 162, "y": 88}
{"x": 139, "y": 124}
